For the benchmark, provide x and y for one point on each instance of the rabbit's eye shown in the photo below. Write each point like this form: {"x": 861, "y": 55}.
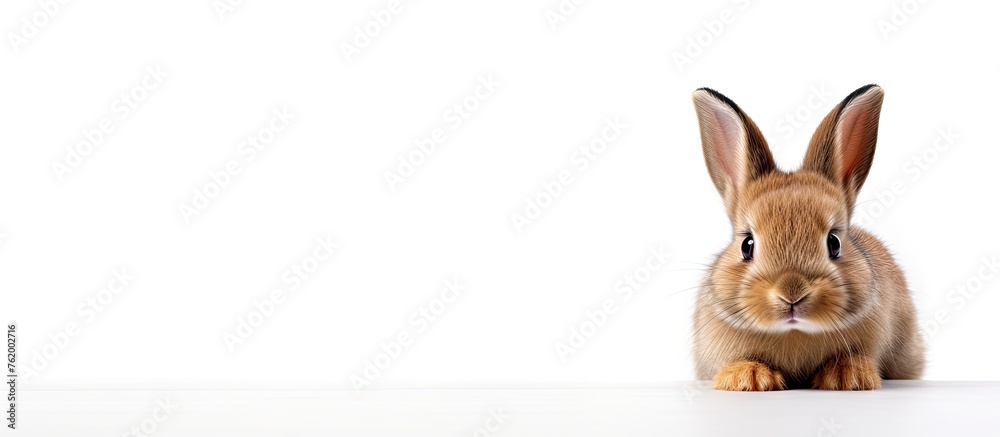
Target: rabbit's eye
{"x": 833, "y": 245}
{"x": 747, "y": 248}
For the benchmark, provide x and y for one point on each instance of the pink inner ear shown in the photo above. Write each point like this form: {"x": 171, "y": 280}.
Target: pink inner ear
{"x": 852, "y": 136}
{"x": 727, "y": 142}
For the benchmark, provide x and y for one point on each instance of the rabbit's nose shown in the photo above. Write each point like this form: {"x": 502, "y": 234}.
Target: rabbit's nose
{"x": 795, "y": 301}
{"x": 792, "y": 288}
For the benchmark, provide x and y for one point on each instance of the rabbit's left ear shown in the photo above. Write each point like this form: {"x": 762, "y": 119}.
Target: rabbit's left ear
{"x": 843, "y": 146}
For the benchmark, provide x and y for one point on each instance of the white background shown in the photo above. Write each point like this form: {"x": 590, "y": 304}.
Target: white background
{"x": 62, "y": 235}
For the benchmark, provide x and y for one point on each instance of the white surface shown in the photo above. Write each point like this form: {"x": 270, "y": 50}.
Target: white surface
{"x": 904, "y": 408}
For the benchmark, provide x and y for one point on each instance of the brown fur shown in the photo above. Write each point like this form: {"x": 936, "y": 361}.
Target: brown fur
{"x": 858, "y": 322}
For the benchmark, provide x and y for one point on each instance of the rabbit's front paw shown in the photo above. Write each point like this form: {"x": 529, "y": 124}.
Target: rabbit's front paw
{"x": 853, "y": 372}
{"x": 748, "y": 376}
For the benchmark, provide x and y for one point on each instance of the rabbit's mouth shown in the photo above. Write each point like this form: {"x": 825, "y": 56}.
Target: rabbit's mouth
{"x": 793, "y": 322}
{"x": 792, "y": 317}
{"x": 793, "y": 309}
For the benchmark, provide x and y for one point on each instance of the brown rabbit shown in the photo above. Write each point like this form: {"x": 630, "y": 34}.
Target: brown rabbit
{"x": 800, "y": 297}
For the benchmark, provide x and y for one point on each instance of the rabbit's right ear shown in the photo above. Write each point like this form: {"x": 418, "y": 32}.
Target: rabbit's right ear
{"x": 735, "y": 150}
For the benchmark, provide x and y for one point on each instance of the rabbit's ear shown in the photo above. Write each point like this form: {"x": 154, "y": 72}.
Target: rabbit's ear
{"x": 843, "y": 146}
{"x": 735, "y": 150}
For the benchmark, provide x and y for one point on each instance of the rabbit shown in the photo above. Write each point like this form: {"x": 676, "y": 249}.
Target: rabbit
{"x": 799, "y": 298}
